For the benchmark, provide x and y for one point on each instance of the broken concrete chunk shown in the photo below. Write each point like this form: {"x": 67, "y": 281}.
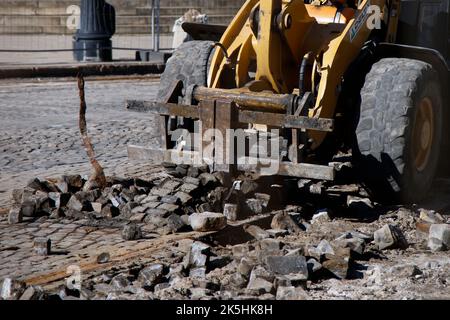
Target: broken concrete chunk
{"x": 337, "y": 266}
{"x": 231, "y": 212}
{"x": 103, "y": 258}
{"x": 127, "y": 209}
{"x": 170, "y": 184}
{"x": 324, "y": 248}
{"x": 439, "y": 237}
{"x": 59, "y": 199}
{"x": 75, "y": 182}
{"x": 128, "y": 194}
{"x": 240, "y": 251}
{"x": 155, "y": 220}
{"x": 28, "y": 208}
{"x": 175, "y": 223}
{"x": 109, "y": 211}
{"x": 131, "y": 232}
{"x": 120, "y": 282}
{"x": 192, "y": 180}
{"x": 97, "y": 207}
{"x": 15, "y": 215}
{"x": 256, "y": 232}
{"x": 207, "y": 221}
{"x": 151, "y": 275}
{"x": 260, "y": 286}
{"x": 170, "y": 199}
{"x": 389, "y": 237}
{"x": 431, "y": 216}
{"x": 359, "y": 204}
{"x": 286, "y": 222}
{"x": 193, "y": 172}
{"x": 182, "y": 197}
{"x": 286, "y": 265}
{"x": 248, "y": 187}
{"x": 158, "y": 212}
{"x": 138, "y": 217}
{"x": 245, "y": 267}
{"x": 138, "y": 209}
{"x": 255, "y": 206}
{"x": 198, "y": 273}
{"x": 348, "y": 241}
{"x": 140, "y": 198}
{"x": 78, "y": 204}
{"x": 264, "y": 198}
{"x": 313, "y": 265}
{"x": 260, "y": 280}
{"x": 90, "y": 196}
{"x": 291, "y": 293}
{"x": 188, "y": 188}
{"x": 320, "y": 217}
{"x": 261, "y": 272}
{"x": 161, "y": 286}
{"x": 149, "y": 198}
{"x": 275, "y": 233}
{"x": 208, "y": 180}
{"x": 16, "y": 196}
{"x": 33, "y": 293}
{"x": 42, "y": 246}
{"x": 160, "y": 192}
{"x": 216, "y": 197}
{"x": 269, "y": 247}
{"x": 11, "y": 289}
{"x": 198, "y": 256}
{"x": 170, "y": 208}
{"x": 41, "y": 184}
{"x": 62, "y": 185}
{"x": 405, "y": 271}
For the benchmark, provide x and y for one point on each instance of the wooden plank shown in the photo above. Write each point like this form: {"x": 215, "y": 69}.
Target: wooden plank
{"x": 299, "y": 170}
{"x": 207, "y": 112}
{"x": 167, "y": 109}
{"x": 226, "y": 119}
{"x": 267, "y": 118}
{"x": 284, "y": 121}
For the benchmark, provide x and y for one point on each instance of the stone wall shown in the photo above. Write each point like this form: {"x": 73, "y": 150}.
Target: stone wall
{"x": 133, "y": 16}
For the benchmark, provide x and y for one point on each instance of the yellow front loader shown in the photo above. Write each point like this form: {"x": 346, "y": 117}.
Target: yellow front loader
{"x": 292, "y": 82}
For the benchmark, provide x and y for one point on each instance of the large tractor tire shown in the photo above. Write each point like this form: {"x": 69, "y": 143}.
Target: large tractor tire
{"x": 189, "y": 63}
{"x": 400, "y": 129}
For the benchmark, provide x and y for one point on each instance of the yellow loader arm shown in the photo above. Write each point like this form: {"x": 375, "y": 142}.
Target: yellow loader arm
{"x": 265, "y": 44}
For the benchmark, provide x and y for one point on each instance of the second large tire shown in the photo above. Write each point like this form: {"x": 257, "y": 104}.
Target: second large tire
{"x": 400, "y": 129}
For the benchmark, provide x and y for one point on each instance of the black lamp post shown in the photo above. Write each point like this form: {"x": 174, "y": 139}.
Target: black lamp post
{"x": 92, "y": 42}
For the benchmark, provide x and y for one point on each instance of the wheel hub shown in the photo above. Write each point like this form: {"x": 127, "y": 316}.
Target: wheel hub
{"x": 423, "y": 134}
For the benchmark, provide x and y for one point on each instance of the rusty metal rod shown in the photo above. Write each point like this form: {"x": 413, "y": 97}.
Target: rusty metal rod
{"x": 257, "y": 101}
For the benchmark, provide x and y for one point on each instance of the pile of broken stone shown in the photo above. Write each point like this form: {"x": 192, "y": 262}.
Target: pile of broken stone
{"x": 279, "y": 261}
{"x": 164, "y": 205}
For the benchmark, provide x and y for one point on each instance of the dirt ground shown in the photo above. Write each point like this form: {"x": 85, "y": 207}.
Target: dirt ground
{"x": 39, "y": 138}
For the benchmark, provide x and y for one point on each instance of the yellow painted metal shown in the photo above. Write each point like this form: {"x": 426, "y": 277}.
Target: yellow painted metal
{"x": 274, "y": 36}
{"x": 336, "y": 59}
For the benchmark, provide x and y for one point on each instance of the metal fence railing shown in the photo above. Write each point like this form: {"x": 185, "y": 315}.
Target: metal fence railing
{"x": 42, "y": 30}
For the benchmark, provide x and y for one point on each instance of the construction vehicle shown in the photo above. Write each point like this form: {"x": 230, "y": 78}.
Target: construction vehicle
{"x": 369, "y": 76}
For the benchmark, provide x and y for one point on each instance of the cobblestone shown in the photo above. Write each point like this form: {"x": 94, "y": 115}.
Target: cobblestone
{"x": 39, "y": 129}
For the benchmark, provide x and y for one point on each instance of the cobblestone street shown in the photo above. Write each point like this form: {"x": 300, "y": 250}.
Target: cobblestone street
{"x": 161, "y": 233}
{"x": 39, "y": 133}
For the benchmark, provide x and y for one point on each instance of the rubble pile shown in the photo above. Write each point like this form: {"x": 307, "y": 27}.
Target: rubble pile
{"x": 288, "y": 253}
{"x": 165, "y": 205}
